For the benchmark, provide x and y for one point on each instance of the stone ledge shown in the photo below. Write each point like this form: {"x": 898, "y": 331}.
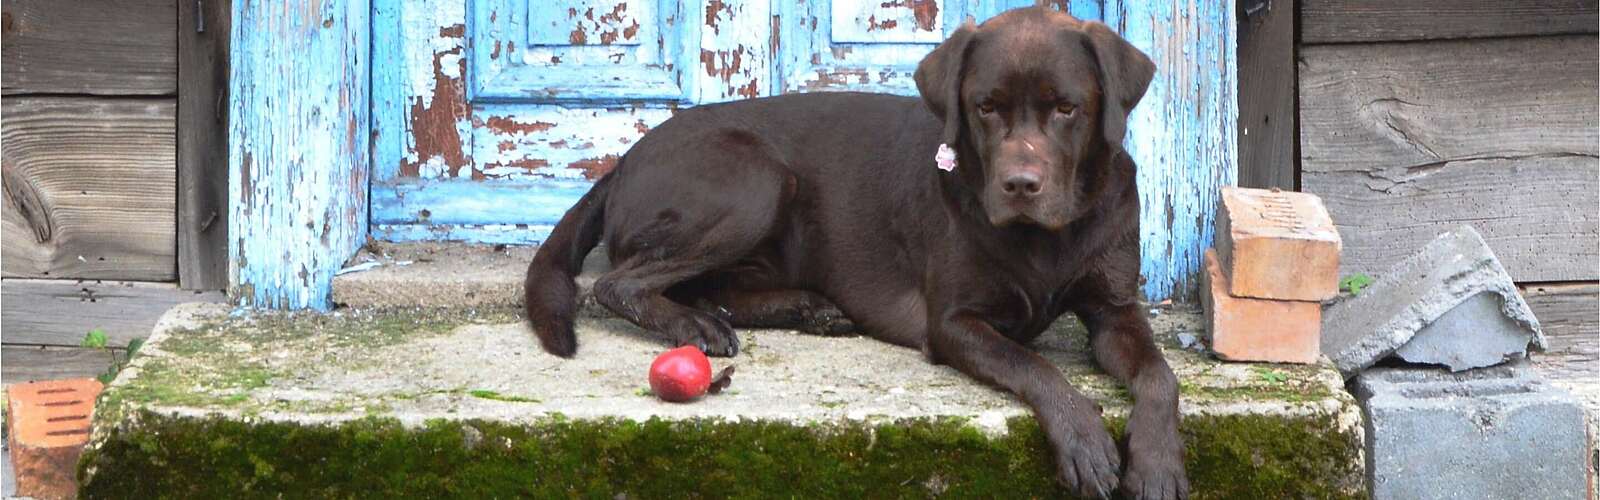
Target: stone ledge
{"x": 463, "y": 402}
{"x": 443, "y": 275}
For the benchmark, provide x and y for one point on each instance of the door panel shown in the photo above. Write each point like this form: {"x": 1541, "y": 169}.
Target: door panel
{"x": 581, "y": 51}
{"x": 492, "y": 117}
{"x": 861, "y": 45}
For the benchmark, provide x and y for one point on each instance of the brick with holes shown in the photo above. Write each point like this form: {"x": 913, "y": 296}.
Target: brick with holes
{"x": 1277, "y": 245}
{"x": 49, "y": 424}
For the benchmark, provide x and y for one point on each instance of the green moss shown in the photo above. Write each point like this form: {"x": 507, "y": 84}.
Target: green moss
{"x": 157, "y": 456}
{"x": 223, "y": 361}
{"x": 488, "y": 394}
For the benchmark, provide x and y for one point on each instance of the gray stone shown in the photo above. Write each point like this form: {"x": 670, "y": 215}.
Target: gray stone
{"x": 1499, "y": 432}
{"x": 1417, "y": 292}
{"x": 1472, "y": 335}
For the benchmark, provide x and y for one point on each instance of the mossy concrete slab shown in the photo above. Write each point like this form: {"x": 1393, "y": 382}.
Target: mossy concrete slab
{"x": 462, "y": 402}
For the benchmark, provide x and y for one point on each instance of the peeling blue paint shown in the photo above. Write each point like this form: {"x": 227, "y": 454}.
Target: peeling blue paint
{"x": 1183, "y": 134}
{"x": 298, "y": 148}
{"x": 595, "y": 68}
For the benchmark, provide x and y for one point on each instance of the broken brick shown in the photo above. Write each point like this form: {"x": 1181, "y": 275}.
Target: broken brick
{"x": 49, "y": 424}
{"x": 1246, "y": 329}
{"x": 1277, "y": 245}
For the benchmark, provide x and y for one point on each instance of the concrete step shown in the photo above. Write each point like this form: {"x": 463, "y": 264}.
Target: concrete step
{"x": 461, "y": 402}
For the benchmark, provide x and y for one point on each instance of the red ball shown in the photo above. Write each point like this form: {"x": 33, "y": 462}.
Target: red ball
{"x": 680, "y": 374}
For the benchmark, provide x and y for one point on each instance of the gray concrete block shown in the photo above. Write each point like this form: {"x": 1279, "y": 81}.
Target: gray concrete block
{"x": 1418, "y": 292}
{"x": 1499, "y": 432}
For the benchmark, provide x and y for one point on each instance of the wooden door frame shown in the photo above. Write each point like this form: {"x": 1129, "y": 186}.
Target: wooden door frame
{"x": 202, "y": 129}
{"x": 1269, "y": 134}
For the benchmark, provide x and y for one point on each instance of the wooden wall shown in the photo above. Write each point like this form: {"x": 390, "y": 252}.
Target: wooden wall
{"x": 91, "y": 117}
{"x": 1418, "y": 116}
{"x": 89, "y": 169}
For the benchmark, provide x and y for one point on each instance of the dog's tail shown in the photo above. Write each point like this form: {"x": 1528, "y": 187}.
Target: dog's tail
{"x": 550, "y": 292}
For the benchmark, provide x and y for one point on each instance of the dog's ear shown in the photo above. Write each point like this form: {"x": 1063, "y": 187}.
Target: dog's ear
{"x": 1125, "y": 74}
{"x": 939, "y": 80}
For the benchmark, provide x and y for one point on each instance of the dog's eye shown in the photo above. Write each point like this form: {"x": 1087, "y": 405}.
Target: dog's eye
{"x": 986, "y": 106}
{"x": 1066, "y": 108}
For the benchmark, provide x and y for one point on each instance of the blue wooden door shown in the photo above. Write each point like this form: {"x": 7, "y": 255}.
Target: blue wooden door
{"x": 491, "y": 117}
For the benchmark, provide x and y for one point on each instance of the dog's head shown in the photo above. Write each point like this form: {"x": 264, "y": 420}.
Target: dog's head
{"x": 1034, "y": 95}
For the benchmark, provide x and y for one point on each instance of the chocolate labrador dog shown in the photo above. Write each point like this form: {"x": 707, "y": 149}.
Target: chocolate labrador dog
{"x": 962, "y": 224}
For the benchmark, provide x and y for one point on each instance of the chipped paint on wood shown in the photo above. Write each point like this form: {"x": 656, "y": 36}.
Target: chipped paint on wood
{"x": 735, "y": 60}
{"x": 583, "y": 22}
{"x": 419, "y": 101}
{"x": 491, "y": 234}
{"x": 1183, "y": 133}
{"x": 862, "y": 45}
{"x": 582, "y": 51}
{"x": 298, "y": 148}
{"x": 895, "y": 21}
{"x": 538, "y": 201}
{"x": 556, "y": 142}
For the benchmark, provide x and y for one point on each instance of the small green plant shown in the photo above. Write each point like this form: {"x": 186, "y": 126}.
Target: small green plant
{"x": 1353, "y": 284}
{"x": 116, "y": 363}
{"x": 96, "y": 338}
{"x": 1271, "y": 376}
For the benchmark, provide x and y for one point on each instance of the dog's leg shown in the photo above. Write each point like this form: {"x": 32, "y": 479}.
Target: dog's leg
{"x": 1125, "y": 348}
{"x": 635, "y": 294}
{"x": 801, "y": 310}
{"x": 1086, "y": 457}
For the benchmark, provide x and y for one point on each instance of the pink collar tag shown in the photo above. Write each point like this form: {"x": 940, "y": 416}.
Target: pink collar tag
{"x": 945, "y": 158}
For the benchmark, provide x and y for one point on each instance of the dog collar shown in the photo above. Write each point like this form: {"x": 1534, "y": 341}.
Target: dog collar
{"x": 945, "y": 159}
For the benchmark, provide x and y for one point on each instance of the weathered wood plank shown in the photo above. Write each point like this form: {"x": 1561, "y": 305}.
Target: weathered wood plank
{"x": 89, "y": 188}
{"x": 1404, "y": 141}
{"x": 1266, "y": 95}
{"x": 35, "y": 363}
{"x": 298, "y": 153}
{"x": 60, "y": 312}
{"x": 107, "y": 47}
{"x": 1570, "y": 316}
{"x": 1336, "y": 21}
{"x": 202, "y": 130}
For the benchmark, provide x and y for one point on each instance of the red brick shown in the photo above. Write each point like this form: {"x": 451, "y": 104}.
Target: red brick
{"x": 1277, "y": 245}
{"x": 1245, "y": 329}
{"x": 49, "y": 424}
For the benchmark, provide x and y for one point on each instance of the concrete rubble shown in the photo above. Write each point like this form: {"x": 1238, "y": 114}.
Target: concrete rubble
{"x": 1428, "y": 289}
{"x": 1454, "y": 411}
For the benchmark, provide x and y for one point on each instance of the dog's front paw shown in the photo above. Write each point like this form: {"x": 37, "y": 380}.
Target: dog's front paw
{"x": 1086, "y": 458}
{"x": 711, "y": 334}
{"x": 1155, "y": 475}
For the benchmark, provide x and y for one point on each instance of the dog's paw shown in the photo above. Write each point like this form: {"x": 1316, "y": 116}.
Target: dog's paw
{"x": 1156, "y": 476}
{"x": 1087, "y": 460}
{"x": 711, "y": 334}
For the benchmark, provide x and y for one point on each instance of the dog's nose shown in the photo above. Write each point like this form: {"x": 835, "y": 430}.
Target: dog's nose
{"x": 1022, "y": 184}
